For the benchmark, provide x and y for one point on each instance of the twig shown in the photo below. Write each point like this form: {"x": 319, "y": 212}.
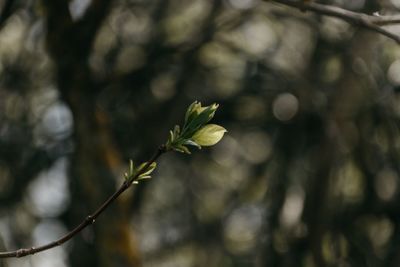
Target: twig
{"x": 372, "y": 23}
{"x": 196, "y": 132}
{"x": 90, "y": 219}
{"x": 384, "y": 20}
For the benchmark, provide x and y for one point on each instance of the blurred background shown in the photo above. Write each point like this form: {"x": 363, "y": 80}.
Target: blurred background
{"x": 308, "y": 174}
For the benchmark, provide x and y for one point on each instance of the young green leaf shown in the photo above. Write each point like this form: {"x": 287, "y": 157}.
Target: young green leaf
{"x": 195, "y": 129}
{"x": 199, "y": 117}
{"x": 182, "y": 149}
{"x": 189, "y": 113}
{"x": 131, "y": 167}
{"x": 146, "y": 173}
{"x": 209, "y": 135}
{"x": 192, "y": 143}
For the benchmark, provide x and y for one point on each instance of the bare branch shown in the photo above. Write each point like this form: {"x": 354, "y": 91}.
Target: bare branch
{"x": 370, "y": 22}
{"x": 90, "y": 219}
{"x": 384, "y": 20}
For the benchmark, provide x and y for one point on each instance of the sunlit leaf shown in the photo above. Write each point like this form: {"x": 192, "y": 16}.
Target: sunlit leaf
{"x": 209, "y": 135}
{"x": 197, "y": 116}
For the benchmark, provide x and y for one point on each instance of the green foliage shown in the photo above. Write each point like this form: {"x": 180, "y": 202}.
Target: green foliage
{"x": 143, "y": 171}
{"x": 209, "y": 135}
{"x": 195, "y": 131}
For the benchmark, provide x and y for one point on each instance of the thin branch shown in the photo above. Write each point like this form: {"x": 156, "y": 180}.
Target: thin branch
{"x": 372, "y": 23}
{"x": 384, "y": 20}
{"x": 90, "y": 219}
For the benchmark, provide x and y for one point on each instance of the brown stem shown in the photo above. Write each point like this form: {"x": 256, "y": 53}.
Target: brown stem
{"x": 372, "y": 23}
{"x": 90, "y": 219}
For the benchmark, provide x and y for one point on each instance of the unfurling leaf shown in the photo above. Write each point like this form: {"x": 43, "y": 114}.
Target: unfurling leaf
{"x": 195, "y": 131}
{"x": 189, "y": 112}
{"x": 137, "y": 173}
{"x": 145, "y": 174}
{"x": 182, "y": 149}
{"x": 198, "y": 117}
{"x": 209, "y": 135}
{"x": 131, "y": 167}
{"x": 192, "y": 143}
{"x": 195, "y": 109}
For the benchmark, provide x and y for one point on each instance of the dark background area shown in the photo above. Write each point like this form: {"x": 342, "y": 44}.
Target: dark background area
{"x": 307, "y": 175}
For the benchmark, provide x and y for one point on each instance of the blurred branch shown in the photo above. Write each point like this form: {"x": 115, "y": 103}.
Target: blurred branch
{"x": 370, "y": 22}
{"x": 89, "y": 220}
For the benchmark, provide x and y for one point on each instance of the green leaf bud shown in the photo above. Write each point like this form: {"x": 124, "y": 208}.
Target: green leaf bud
{"x": 209, "y": 135}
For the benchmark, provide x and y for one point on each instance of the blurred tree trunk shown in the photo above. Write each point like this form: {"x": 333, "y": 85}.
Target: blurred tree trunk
{"x": 353, "y": 95}
{"x": 94, "y": 164}
{"x": 95, "y": 158}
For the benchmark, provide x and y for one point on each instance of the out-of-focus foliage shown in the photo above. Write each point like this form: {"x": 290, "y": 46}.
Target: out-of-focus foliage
{"x": 308, "y": 174}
